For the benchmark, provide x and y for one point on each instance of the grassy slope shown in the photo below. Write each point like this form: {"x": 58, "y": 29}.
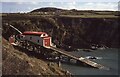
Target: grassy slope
{"x": 19, "y": 63}
{"x": 73, "y": 14}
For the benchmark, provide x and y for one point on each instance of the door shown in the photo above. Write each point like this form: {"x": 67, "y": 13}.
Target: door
{"x": 47, "y": 41}
{"x": 12, "y": 39}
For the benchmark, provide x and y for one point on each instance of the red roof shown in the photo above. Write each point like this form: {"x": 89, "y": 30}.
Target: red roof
{"x": 33, "y": 33}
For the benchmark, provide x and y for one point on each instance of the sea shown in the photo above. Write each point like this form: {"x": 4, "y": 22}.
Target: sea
{"x": 106, "y": 57}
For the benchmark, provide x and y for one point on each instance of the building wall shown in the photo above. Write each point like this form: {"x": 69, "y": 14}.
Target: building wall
{"x": 33, "y": 39}
{"x": 47, "y": 41}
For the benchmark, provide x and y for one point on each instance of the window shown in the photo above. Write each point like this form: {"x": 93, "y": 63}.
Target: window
{"x": 30, "y": 38}
{"x": 43, "y": 34}
{"x": 38, "y": 41}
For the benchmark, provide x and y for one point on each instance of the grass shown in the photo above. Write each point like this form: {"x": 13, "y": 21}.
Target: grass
{"x": 90, "y": 16}
{"x": 80, "y": 14}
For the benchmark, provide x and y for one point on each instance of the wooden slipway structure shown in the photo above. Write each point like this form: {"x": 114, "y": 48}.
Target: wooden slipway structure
{"x": 82, "y": 59}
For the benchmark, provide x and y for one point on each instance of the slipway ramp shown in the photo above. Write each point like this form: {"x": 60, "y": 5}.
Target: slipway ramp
{"x": 81, "y": 59}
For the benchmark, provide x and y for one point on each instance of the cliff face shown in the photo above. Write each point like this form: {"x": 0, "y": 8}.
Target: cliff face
{"x": 82, "y": 32}
{"x": 67, "y": 31}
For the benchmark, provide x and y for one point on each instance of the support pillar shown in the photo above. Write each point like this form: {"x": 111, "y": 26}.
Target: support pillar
{"x": 59, "y": 62}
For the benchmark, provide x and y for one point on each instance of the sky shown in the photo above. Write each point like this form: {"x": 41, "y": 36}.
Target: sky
{"x": 15, "y": 6}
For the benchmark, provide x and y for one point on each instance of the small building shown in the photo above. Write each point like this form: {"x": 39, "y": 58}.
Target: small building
{"x": 39, "y": 38}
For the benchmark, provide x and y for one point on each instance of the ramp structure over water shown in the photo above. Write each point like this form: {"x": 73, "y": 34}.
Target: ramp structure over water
{"x": 81, "y": 59}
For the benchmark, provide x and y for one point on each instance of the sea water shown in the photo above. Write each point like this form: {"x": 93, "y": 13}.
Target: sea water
{"x": 106, "y": 57}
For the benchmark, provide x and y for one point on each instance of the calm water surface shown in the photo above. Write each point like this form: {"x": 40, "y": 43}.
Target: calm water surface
{"x": 109, "y": 59}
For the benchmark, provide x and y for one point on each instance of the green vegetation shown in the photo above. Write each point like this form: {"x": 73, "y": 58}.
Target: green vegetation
{"x": 74, "y": 13}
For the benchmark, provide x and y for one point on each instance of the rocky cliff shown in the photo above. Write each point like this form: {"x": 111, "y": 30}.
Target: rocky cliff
{"x": 66, "y": 32}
